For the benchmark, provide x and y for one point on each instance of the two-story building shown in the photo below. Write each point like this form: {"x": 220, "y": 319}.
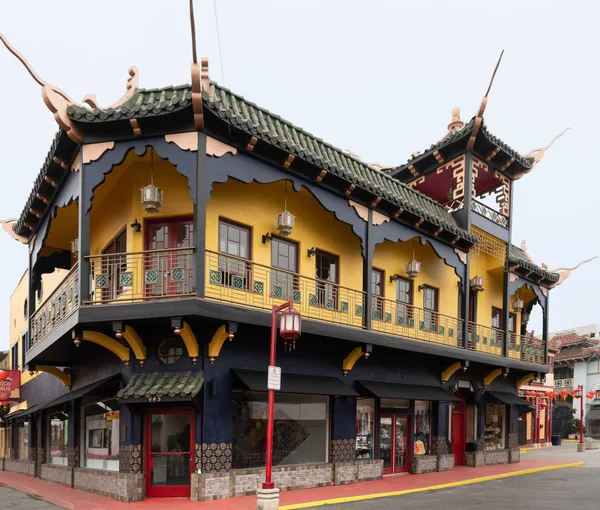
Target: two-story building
{"x": 414, "y": 302}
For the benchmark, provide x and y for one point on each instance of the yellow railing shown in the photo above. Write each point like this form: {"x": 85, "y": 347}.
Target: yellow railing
{"x": 142, "y": 276}
{"x": 240, "y": 281}
{"x": 527, "y": 348}
{"x": 63, "y": 301}
{"x": 408, "y": 321}
{"x": 485, "y": 339}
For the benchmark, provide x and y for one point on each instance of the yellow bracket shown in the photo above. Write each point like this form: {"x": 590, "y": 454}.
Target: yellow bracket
{"x": 108, "y": 343}
{"x": 216, "y": 344}
{"x": 450, "y": 371}
{"x": 487, "y": 380}
{"x": 525, "y": 379}
{"x": 189, "y": 339}
{"x": 351, "y": 359}
{"x": 56, "y": 372}
{"x": 135, "y": 342}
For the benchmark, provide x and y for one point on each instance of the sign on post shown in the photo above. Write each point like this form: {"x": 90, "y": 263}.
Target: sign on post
{"x": 274, "y": 378}
{"x": 10, "y": 385}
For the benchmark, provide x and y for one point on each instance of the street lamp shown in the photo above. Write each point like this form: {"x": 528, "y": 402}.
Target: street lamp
{"x": 578, "y": 393}
{"x": 290, "y": 321}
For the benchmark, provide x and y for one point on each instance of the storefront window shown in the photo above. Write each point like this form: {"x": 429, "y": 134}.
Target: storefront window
{"x": 494, "y": 426}
{"x": 58, "y": 429}
{"x": 422, "y": 427}
{"x": 101, "y": 435}
{"x": 23, "y": 430}
{"x": 300, "y": 434}
{"x": 365, "y": 426}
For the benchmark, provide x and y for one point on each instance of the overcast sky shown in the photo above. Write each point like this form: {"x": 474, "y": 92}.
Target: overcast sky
{"x": 378, "y": 78}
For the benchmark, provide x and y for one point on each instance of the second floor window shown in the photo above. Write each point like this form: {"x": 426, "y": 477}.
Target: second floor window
{"x": 114, "y": 265}
{"x": 404, "y": 298}
{"x": 377, "y": 292}
{"x": 327, "y": 271}
{"x": 430, "y": 308}
{"x": 496, "y": 318}
{"x": 498, "y": 325}
{"x": 284, "y": 255}
{"x": 234, "y": 240}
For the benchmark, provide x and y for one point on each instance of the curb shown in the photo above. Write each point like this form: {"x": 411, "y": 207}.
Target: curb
{"x": 470, "y": 481}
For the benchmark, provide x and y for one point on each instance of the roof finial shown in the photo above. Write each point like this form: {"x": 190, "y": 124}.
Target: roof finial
{"x": 198, "y": 76}
{"x": 456, "y": 124}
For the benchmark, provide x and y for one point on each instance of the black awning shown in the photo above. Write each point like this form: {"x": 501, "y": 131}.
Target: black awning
{"x": 84, "y": 391}
{"x": 509, "y": 398}
{"x": 408, "y": 391}
{"x": 256, "y": 380}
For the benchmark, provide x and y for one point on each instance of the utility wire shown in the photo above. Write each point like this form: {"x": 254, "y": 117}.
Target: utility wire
{"x": 219, "y": 42}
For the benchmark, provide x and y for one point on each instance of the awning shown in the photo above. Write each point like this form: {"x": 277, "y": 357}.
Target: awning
{"x": 509, "y": 398}
{"x": 256, "y": 380}
{"x": 161, "y": 387}
{"x": 408, "y": 391}
{"x": 84, "y": 391}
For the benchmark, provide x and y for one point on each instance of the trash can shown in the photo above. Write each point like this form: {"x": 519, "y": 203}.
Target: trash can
{"x": 556, "y": 441}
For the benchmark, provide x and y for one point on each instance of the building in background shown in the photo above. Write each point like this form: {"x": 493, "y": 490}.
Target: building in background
{"x": 4, "y": 359}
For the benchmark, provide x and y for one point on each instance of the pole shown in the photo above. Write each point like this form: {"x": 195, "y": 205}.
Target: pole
{"x": 580, "y": 395}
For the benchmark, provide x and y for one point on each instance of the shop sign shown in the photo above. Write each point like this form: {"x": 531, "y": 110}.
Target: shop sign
{"x": 10, "y": 385}
{"x": 274, "y": 378}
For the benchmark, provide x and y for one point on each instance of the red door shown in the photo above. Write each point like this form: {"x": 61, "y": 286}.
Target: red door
{"x": 458, "y": 433}
{"x": 168, "y": 269}
{"x": 169, "y": 448}
{"x": 394, "y": 436}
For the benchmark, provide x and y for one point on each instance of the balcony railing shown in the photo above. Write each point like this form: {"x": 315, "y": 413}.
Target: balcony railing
{"x": 408, "y": 321}
{"x": 563, "y": 383}
{"x": 527, "y": 348}
{"x": 142, "y": 276}
{"x": 489, "y": 213}
{"x": 239, "y": 281}
{"x": 485, "y": 339}
{"x": 63, "y": 301}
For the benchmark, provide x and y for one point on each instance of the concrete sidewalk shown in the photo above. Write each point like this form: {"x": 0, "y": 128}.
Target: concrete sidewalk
{"x": 391, "y": 485}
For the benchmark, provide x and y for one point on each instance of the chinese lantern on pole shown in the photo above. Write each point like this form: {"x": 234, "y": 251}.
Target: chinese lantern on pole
{"x": 3, "y": 375}
{"x": 564, "y": 394}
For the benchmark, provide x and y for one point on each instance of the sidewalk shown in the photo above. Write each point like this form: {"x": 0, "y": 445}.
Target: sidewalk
{"x": 76, "y": 500}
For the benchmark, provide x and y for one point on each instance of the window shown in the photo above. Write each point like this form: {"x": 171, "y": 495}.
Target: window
{"x": 170, "y": 351}
{"x": 40, "y": 292}
{"x": 494, "y": 427}
{"x": 284, "y": 255}
{"x": 430, "y": 308}
{"x": 498, "y": 326}
{"x": 234, "y": 240}
{"x": 327, "y": 271}
{"x": 365, "y": 427}
{"x": 23, "y": 431}
{"x": 422, "y": 426}
{"x": 25, "y": 310}
{"x": 24, "y": 348}
{"x": 57, "y": 425}
{"x": 101, "y": 448}
{"x": 114, "y": 265}
{"x": 301, "y": 429}
{"x": 377, "y": 281}
{"x": 512, "y": 328}
{"x": 14, "y": 356}
{"x": 404, "y": 292}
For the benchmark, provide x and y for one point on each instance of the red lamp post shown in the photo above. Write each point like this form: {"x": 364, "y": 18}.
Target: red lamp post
{"x": 289, "y": 329}
{"x": 578, "y": 393}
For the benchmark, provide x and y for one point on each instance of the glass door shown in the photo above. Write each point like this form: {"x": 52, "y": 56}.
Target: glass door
{"x": 401, "y": 444}
{"x": 169, "y": 452}
{"x": 386, "y": 441}
{"x": 394, "y": 442}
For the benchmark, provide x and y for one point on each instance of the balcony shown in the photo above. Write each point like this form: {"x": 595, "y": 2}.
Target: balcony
{"x": 489, "y": 213}
{"x": 563, "y": 383}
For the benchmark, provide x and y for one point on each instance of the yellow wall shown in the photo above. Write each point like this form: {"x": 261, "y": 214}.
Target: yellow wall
{"x": 492, "y": 296}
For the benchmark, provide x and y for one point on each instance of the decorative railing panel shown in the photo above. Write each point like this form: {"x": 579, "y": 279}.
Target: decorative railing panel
{"x": 527, "y": 348}
{"x": 57, "y": 308}
{"x": 485, "y": 339}
{"x": 489, "y": 213}
{"x": 142, "y": 276}
{"x": 243, "y": 282}
{"x": 408, "y": 321}
{"x": 563, "y": 383}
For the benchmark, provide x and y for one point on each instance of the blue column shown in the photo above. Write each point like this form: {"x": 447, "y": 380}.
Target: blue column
{"x": 130, "y": 439}
{"x": 73, "y": 452}
{"x": 342, "y": 447}
{"x": 216, "y": 420}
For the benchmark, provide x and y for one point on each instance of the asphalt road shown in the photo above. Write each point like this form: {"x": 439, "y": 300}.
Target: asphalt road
{"x": 15, "y": 500}
{"x": 573, "y": 488}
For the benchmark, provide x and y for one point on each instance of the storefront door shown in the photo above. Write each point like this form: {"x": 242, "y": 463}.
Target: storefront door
{"x": 458, "y": 433}
{"x": 394, "y": 432}
{"x": 169, "y": 452}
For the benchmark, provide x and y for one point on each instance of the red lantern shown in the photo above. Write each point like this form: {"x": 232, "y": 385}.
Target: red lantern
{"x": 4, "y": 404}
{"x": 289, "y": 324}
{"x": 573, "y": 393}
{"x": 564, "y": 394}
{"x": 555, "y": 395}
{"x": 3, "y": 375}
{"x": 548, "y": 394}
{"x": 593, "y": 393}
{"x": 544, "y": 403}
{"x": 540, "y": 394}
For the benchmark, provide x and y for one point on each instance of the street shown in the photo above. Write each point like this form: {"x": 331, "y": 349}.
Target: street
{"x": 15, "y": 500}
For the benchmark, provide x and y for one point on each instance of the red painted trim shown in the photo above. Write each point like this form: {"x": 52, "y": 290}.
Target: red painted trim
{"x": 153, "y": 491}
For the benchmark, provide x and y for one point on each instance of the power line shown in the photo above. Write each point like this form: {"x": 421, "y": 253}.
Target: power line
{"x": 219, "y": 42}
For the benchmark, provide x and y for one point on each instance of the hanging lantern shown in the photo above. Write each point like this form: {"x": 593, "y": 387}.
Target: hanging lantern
{"x": 540, "y": 394}
{"x": 555, "y": 395}
{"x": 564, "y": 394}
{"x": 548, "y": 394}
{"x": 573, "y": 393}
{"x": 518, "y": 304}
{"x": 3, "y": 375}
{"x": 4, "y": 404}
{"x": 477, "y": 283}
{"x": 152, "y": 196}
{"x": 544, "y": 404}
{"x": 289, "y": 324}
{"x": 285, "y": 223}
{"x": 412, "y": 268}
{"x": 525, "y": 317}
{"x": 75, "y": 246}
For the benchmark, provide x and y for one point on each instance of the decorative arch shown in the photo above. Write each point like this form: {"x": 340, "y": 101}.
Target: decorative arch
{"x": 190, "y": 341}
{"x": 488, "y": 379}
{"x": 526, "y": 379}
{"x": 107, "y": 342}
{"x": 135, "y": 342}
{"x": 62, "y": 376}
{"x": 216, "y": 343}
{"x": 352, "y": 358}
{"x": 516, "y": 284}
{"x": 450, "y": 371}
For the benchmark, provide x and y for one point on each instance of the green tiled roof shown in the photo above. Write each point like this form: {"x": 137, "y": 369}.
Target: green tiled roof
{"x": 162, "y": 386}
{"x": 517, "y": 256}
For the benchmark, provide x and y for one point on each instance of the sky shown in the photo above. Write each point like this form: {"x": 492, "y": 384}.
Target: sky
{"x": 379, "y": 78}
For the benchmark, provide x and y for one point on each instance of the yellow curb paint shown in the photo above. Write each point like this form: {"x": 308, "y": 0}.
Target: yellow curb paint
{"x": 470, "y": 481}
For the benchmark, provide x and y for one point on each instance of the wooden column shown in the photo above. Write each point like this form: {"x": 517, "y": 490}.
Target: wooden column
{"x": 506, "y": 282}
{"x": 200, "y": 203}
{"x": 83, "y": 235}
{"x": 368, "y": 271}
{"x": 463, "y": 217}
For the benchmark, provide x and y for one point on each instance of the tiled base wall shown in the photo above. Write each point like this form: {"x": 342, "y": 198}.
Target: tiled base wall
{"x": 242, "y": 482}
{"x": 431, "y": 463}
{"x": 124, "y": 487}
{"x": 24, "y": 467}
{"x": 492, "y": 458}
{"x": 62, "y": 475}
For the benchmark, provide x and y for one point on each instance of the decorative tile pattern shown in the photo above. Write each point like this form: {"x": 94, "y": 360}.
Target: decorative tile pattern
{"x": 126, "y": 278}
{"x": 442, "y": 330}
{"x": 330, "y": 304}
{"x": 198, "y": 457}
{"x": 388, "y": 317}
{"x": 73, "y": 456}
{"x": 130, "y": 458}
{"x": 151, "y": 276}
{"x": 216, "y": 457}
{"x": 358, "y": 310}
{"x": 400, "y": 320}
{"x": 101, "y": 281}
{"x": 216, "y": 278}
{"x": 377, "y": 315}
{"x": 238, "y": 282}
{"x": 312, "y": 300}
{"x": 278, "y": 291}
{"x": 297, "y": 296}
{"x": 177, "y": 274}
{"x": 440, "y": 445}
{"x": 344, "y": 307}
{"x": 342, "y": 450}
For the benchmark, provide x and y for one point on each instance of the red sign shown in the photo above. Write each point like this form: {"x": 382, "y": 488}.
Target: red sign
{"x": 10, "y": 385}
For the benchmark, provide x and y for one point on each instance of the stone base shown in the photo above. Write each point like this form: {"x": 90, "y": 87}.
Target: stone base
{"x": 124, "y": 487}
{"x": 514, "y": 456}
{"x": 55, "y": 473}
{"x": 267, "y": 499}
{"x": 446, "y": 462}
{"x": 421, "y": 464}
{"x": 345, "y": 473}
{"x": 475, "y": 459}
{"x": 23, "y": 467}
{"x": 591, "y": 444}
{"x": 580, "y": 447}
{"x": 1, "y": 464}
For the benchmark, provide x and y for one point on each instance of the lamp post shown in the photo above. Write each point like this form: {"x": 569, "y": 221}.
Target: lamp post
{"x": 289, "y": 329}
{"x": 578, "y": 393}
